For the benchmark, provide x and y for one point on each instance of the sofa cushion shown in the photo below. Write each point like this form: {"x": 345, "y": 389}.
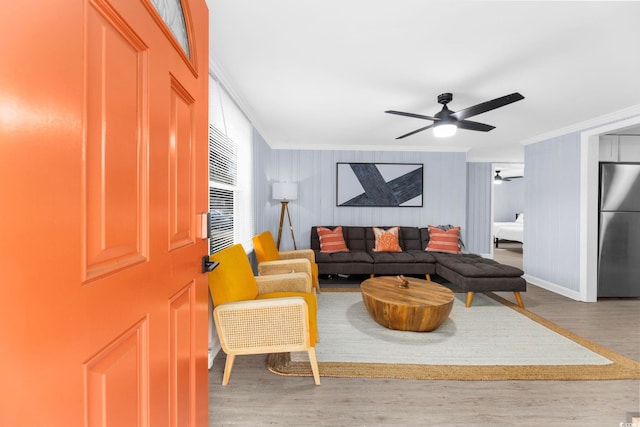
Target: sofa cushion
{"x": 410, "y": 239}
{"x": 331, "y": 240}
{"x": 354, "y": 237}
{"x": 471, "y": 265}
{"x": 393, "y": 257}
{"x": 460, "y": 283}
{"x": 421, "y": 256}
{"x": 386, "y": 240}
{"x": 443, "y": 241}
{"x": 344, "y": 257}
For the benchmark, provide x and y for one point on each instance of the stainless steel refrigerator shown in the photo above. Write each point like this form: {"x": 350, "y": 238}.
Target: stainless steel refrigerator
{"x": 619, "y": 229}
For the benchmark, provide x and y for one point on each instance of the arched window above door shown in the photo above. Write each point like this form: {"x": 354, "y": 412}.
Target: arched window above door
{"x": 173, "y": 15}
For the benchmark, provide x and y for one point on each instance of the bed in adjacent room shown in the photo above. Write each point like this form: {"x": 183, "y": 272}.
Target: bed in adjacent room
{"x": 509, "y": 231}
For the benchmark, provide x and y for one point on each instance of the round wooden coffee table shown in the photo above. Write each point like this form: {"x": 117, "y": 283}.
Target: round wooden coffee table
{"x": 422, "y": 306}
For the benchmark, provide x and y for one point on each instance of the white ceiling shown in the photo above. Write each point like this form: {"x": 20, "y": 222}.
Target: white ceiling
{"x": 319, "y": 74}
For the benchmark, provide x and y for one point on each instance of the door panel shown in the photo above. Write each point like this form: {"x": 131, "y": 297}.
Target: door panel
{"x": 103, "y": 159}
{"x": 181, "y": 162}
{"x": 182, "y": 357}
{"x": 116, "y": 383}
{"x": 116, "y": 145}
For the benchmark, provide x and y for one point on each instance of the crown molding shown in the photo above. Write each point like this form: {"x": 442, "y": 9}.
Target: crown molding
{"x": 587, "y": 124}
{"x": 217, "y": 72}
{"x": 329, "y": 147}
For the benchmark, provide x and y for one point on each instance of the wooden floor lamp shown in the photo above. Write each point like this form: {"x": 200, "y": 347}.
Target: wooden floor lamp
{"x": 285, "y": 192}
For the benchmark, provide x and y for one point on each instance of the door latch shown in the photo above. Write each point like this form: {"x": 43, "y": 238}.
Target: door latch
{"x": 208, "y": 265}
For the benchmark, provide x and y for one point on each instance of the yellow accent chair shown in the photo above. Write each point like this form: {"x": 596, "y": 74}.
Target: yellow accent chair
{"x": 259, "y": 315}
{"x": 270, "y": 259}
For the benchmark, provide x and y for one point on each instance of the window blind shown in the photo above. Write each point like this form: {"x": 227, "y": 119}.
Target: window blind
{"x": 223, "y": 168}
{"x": 230, "y": 175}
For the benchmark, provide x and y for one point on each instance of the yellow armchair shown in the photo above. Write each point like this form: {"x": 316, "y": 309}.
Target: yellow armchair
{"x": 266, "y": 314}
{"x": 270, "y": 259}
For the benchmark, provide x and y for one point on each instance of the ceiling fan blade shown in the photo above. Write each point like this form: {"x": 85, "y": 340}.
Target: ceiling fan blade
{"x": 415, "y": 131}
{"x": 469, "y": 125}
{"x": 487, "y": 106}
{"x": 416, "y": 116}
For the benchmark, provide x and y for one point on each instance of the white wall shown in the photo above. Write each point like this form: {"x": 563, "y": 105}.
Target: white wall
{"x": 479, "y": 183}
{"x": 620, "y": 148}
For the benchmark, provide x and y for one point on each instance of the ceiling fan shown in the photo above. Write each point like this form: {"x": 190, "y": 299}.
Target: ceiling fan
{"x": 498, "y": 179}
{"x": 446, "y": 122}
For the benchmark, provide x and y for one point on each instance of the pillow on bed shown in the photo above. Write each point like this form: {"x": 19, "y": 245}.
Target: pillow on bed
{"x": 520, "y": 219}
{"x": 443, "y": 241}
{"x": 386, "y": 240}
{"x": 332, "y": 241}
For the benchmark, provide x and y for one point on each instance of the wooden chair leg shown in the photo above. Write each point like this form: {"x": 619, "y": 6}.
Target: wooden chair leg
{"x": 428, "y": 277}
{"x": 518, "y": 299}
{"x": 228, "y": 366}
{"x": 314, "y": 365}
{"x": 317, "y": 331}
{"x": 469, "y": 299}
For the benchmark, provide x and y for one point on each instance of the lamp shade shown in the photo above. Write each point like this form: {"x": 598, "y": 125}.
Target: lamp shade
{"x": 285, "y": 190}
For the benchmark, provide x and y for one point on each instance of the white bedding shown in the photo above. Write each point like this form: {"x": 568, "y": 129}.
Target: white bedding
{"x": 509, "y": 231}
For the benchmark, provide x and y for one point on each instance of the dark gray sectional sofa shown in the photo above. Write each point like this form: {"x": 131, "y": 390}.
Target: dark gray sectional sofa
{"x": 468, "y": 272}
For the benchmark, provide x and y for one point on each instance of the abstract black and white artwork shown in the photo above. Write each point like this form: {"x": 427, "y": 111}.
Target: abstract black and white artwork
{"x": 379, "y": 184}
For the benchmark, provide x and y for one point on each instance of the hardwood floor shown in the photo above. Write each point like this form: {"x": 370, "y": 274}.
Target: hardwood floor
{"x": 256, "y": 397}
{"x": 509, "y": 253}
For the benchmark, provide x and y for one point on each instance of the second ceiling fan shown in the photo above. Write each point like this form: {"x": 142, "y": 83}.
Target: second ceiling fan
{"x": 445, "y": 122}
{"x": 499, "y": 179}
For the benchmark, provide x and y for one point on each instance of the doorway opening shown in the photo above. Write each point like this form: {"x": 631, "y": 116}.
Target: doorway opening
{"x": 508, "y": 206}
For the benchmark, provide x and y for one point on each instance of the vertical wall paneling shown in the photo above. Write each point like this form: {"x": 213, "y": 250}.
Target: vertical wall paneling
{"x": 479, "y": 187}
{"x": 552, "y": 209}
{"x": 551, "y": 188}
{"x": 508, "y": 199}
{"x": 445, "y": 197}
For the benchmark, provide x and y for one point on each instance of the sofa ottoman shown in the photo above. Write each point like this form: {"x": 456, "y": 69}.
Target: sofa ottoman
{"x": 473, "y": 273}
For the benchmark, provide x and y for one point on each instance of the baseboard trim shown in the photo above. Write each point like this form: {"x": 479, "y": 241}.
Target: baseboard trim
{"x": 553, "y": 287}
{"x": 213, "y": 352}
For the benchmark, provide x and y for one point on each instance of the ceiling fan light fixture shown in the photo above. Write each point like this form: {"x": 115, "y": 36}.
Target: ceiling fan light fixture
{"x": 444, "y": 130}
{"x": 497, "y": 179}
{"x": 446, "y": 122}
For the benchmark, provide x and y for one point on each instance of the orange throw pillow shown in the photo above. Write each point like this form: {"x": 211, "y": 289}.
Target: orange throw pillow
{"x": 443, "y": 241}
{"x": 386, "y": 240}
{"x": 331, "y": 240}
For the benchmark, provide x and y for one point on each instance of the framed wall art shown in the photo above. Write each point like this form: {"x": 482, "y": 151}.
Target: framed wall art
{"x": 379, "y": 184}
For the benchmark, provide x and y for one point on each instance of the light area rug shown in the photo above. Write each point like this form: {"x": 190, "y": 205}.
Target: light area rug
{"x": 492, "y": 340}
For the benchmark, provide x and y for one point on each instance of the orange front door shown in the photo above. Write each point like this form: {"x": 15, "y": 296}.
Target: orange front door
{"x": 103, "y": 157}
